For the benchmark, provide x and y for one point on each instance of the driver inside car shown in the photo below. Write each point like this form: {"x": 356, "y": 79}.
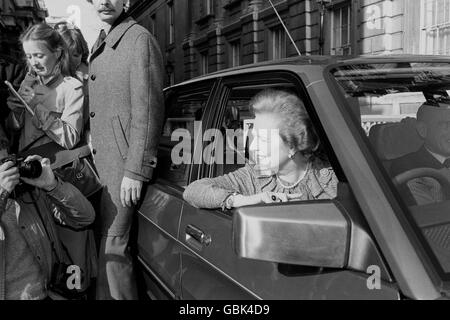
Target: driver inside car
{"x": 433, "y": 126}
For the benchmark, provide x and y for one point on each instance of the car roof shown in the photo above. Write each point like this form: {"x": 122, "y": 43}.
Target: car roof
{"x": 320, "y": 61}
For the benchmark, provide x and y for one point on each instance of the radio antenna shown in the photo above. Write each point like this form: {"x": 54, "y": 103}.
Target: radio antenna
{"x": 285, "y": 28}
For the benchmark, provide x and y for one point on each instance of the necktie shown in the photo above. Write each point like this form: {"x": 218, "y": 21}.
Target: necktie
{"x": 100, "y": 40}
{"x": 447, "y": 163}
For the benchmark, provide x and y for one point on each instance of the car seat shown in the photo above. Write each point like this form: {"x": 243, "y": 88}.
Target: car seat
{"x": 394, "y": 140}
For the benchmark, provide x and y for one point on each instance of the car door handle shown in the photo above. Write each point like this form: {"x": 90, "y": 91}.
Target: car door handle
{"x": 198, "y": 235}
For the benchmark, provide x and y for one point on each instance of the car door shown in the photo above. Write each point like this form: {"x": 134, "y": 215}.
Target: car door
{"x": 211, "y": 267}
{"x": 159, "y": 214}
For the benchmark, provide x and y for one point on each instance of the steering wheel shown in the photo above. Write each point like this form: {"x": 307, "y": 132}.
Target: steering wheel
{"x": 442, "y": 176}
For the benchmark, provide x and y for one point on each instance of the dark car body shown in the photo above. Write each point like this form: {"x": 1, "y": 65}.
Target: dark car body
{"x": 190, "y": 253}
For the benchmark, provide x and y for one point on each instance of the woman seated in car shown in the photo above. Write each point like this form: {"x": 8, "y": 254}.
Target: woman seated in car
{"x": 285, "y": 161}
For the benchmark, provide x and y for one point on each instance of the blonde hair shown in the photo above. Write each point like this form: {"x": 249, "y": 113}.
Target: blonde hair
{"x": 53, "y": 41}
{"x": 297, "y": 130}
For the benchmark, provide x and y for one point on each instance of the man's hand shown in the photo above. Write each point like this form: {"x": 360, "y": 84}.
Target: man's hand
{"x": 130, "y": 191}
{"x": 47, "y": 180}
{"x": 9, "y": 176}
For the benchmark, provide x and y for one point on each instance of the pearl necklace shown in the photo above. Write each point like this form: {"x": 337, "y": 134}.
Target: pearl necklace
{"x": 297, "y": 182}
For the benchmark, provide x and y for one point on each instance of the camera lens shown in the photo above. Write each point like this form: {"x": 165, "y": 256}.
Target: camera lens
{"x": 30, "y": 170}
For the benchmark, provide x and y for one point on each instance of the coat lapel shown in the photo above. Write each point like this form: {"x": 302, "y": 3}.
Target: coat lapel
{"x": 114, "y": 36}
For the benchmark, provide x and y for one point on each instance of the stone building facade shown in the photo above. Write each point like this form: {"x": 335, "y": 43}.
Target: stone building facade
{"x": 203, "y": 36}
{"x": 15, "y": 17}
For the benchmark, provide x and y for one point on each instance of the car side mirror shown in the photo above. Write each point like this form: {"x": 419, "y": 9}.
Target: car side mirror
{"x": 310, "y": 234}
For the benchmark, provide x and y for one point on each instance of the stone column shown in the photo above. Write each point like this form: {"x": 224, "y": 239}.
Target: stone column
{"x": 188, "y": 46}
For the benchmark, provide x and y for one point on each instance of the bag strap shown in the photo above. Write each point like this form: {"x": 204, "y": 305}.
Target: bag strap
{"x": 28, "y": 146}
{"x": 68, "y": 156}
{"x": 58, "y": 155}
{"x": 51, "y": 236}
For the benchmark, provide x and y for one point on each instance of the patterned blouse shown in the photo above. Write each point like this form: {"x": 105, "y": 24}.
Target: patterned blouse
{"x": 319, "y": 182}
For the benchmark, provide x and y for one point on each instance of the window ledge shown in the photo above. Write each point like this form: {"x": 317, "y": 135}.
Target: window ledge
{"x": 231, "y": 3}
{"x": 204, "y": 18}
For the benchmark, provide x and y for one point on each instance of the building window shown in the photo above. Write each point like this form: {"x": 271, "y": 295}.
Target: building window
{"x": 24, "y": 3}
{"x": 153, "y": 24}
{"x": 209, "y": 7}
{"x": 171, "y": 23}
{"x": 341, "y": 27}
{"x": 235, "y": 53}
{"x": 204, "y": 61}
{"x": 435, "y": 27}
{"x": 206, "y": 7}
{"x": 277, "y": 44}
{"x": 41, "y": 4}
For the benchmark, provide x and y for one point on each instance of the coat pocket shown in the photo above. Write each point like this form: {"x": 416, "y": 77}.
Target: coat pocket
{"x": 120, "y": 136}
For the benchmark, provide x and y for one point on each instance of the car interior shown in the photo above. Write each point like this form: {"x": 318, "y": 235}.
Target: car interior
{"x": 385, "y": 99}
{"x": 394, "y": 140}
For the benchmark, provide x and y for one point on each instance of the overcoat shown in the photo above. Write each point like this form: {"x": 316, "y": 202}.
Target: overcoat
{"x": 126, "y": 114}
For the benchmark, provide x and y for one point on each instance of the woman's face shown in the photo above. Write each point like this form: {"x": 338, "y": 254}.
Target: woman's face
{"x": 267, "y": 150}
{"x": 40, "y": 58}
{"x": 75, "y": 59}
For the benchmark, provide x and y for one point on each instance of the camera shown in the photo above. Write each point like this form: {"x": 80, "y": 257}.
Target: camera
{"x": 30, "y": 169}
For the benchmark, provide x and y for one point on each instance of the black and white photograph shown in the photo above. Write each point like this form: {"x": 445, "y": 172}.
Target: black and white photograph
{"x": 228, "y": 153}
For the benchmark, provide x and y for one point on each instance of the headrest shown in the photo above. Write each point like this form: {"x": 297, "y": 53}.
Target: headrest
{"x": 394, "y": 140}
{"x": 434, "y": 112}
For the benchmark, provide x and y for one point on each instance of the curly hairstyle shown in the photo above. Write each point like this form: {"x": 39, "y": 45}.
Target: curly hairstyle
{"x": 53, "y": 41}
{"x": 297, "y": 130}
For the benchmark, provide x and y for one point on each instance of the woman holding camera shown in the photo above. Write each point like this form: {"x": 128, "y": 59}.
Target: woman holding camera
{"x": 55, "y": 97}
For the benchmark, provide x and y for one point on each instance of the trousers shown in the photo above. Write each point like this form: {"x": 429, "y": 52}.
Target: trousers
{"x": 116, "y": 280}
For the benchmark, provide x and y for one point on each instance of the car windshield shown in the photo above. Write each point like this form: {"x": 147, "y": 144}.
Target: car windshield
{"x": 404, "y": 109}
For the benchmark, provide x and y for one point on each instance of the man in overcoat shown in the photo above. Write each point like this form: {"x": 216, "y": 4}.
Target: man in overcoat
{"x": 126, "y": 115}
